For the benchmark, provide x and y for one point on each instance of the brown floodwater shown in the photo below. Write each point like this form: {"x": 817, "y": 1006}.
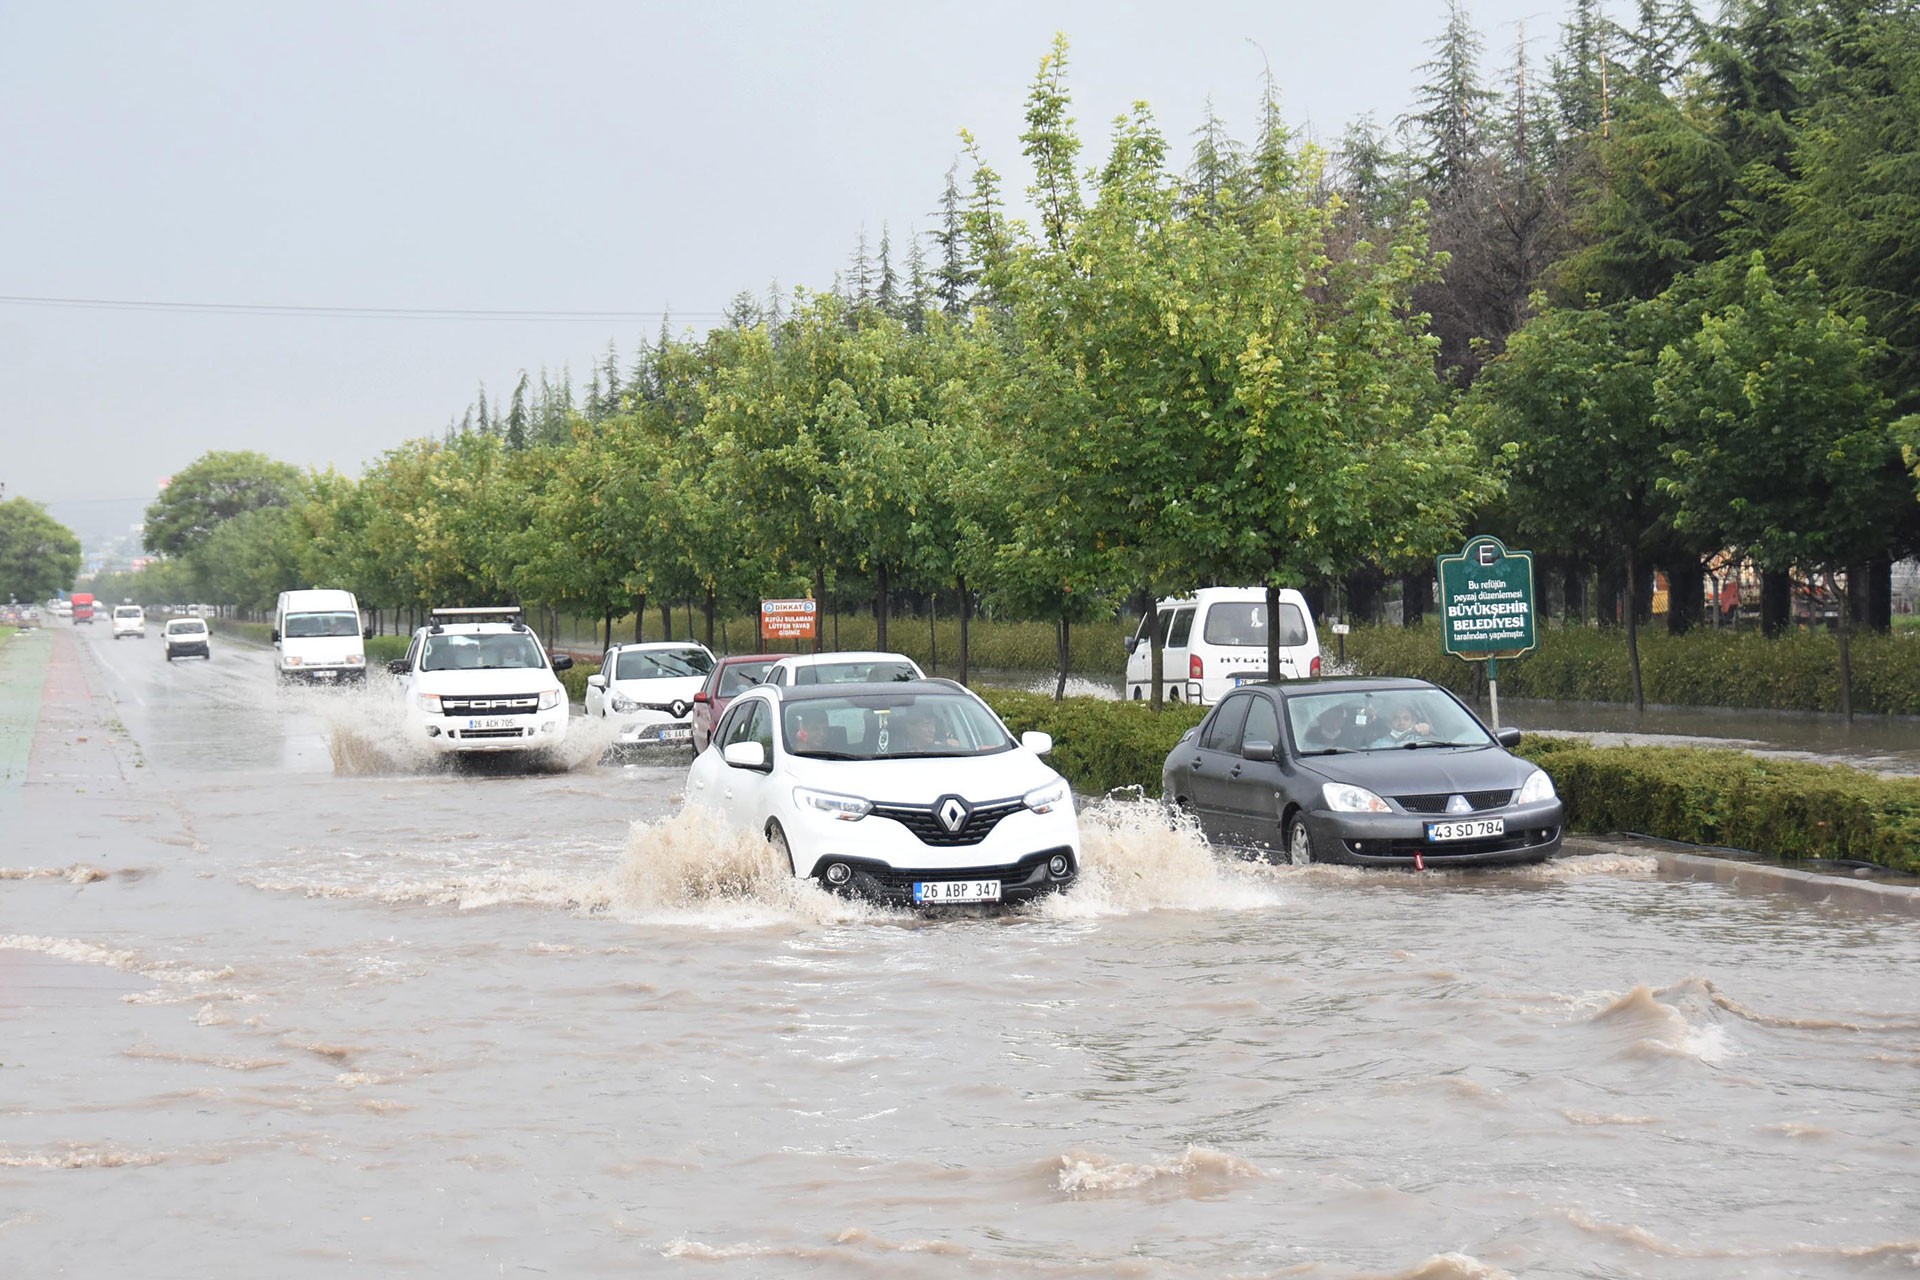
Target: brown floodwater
{"x": 278, "y": 1000}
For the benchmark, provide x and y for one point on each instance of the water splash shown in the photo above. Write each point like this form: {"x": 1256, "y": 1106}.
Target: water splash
{"x": 1198, "y": 1172}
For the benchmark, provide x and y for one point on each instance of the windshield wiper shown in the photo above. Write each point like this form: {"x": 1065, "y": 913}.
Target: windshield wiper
{"x": 1329, "y": 751}
{"x": 1415, "y": 746}
{"x": 829, "y": 755}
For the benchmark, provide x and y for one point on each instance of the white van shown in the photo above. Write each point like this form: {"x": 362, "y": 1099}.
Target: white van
{"x": 1216, "y": 639}
{"x": 319, "y": 636}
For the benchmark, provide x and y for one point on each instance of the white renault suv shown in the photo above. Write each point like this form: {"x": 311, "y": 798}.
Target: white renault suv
{"x": 474, "y": 684}
{"x": 649, "y": 689}
{"x": 910, "y": 793}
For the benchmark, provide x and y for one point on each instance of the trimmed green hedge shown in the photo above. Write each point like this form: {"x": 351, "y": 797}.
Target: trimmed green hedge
{"x": 1797, "y": 672}
{"x": 1784, "y": 808}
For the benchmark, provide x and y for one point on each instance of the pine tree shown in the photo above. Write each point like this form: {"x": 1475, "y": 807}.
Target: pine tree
{"x": 516, "y": 433}
{"x": 484, "y": 422}
{"x": 1216, "y": 175}
{"x": 1453, "y": 106}
{"x": 952, "y": 277}
{"x": 610, "y": 373}
{"x": 859, "y": 283}
{"x": 886, "y": 293}
{"x": 919, "y": 295}
{"x": 1755, "y": 65}
{"x": 1579, "y": 75}
{"x": 1662, "y": 43}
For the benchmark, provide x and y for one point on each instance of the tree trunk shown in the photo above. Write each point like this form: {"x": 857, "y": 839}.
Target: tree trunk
{"x": 1633, "y": 634}
{"x": 1416, "y": 597}
{"x": 1686, "y": 593}
{"x": 1363, "y": 595}
{"x": 966, "y": 616}
{"x": 1845, "y": 637}
{"x": 640, "y": 617}
{"x": 1064, "y": 636}
{"x": 819, "y": 603}
{"x": 1612, "y": 588}
{"x": 606, "y": 627}
{"x": 933, "y": 632}
{"x": 1157, "y": 669}
{"x": 1776, "y": 603}
{"x": 1273, "y": 630}
{"x": 1573, "y": 586}
{"x": 666, "y": 619}
{"x": 880, "y": 608}
{"x": 709, "y": 617}
{"x": 1870, "y": 592}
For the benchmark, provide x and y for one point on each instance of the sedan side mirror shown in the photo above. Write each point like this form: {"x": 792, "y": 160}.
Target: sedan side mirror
{"x": 1257, "y": 749}
{"x": 561, "y": 662}
{"x": 745, "y": 755}
{"x": 397, "y": 666}
{"x": 597, "y": 681}
{"x": 1037, "y": 742}
{"x": 1508, "y": 738}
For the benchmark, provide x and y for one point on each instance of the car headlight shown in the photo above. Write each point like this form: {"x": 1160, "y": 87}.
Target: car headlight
{"x": 1042, "y": 799}
{"x": 622, "y": 703}
{"x": 430, "y": 702}
{"x": 551, "y": 699}
{"x": 1343, "y": 797}
{"x": 293, "y": 660}
{"x": 356, "y": 660}
{"x": 1536, "y": 788}
{"x": 845, "y": 808}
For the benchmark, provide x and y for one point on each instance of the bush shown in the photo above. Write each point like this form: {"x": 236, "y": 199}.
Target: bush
{"x": 1797, "y": 672}
{"x": 1783, "y": 808}
{"x": 1098, "y": 744}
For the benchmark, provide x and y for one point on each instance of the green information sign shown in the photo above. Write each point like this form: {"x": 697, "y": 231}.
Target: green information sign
{"x": 1486, "y": 601}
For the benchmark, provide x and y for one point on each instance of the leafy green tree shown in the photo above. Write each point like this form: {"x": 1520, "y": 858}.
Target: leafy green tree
{"x": 1783, "y": 444}
{"x": 38, "y": 554}
{"x": 216, "y": 487}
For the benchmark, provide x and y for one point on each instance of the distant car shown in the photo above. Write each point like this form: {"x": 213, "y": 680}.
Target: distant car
{"x": 129, "y": 620}
{"x": 911, "y": 793}
{"x": 730, "y": 675}
{"x": 856, "y": 667}
{"x": 186, "y": 638}
{"x": 478, "y": 680}
{"x": 1216, "y": 640}
{"x": 649, "y": 689}
{"x": 1369, "y": 771}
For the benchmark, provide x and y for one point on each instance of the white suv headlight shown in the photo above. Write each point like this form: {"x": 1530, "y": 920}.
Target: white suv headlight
{"x": 430, "y": 702}
{"x": 623, "y": 704}
{"x": 1536, "y": 788}
{"x": 356, "y": 660}
{"x": 551, "y": 699}
{"x": 1042, "y": 799}
{"x": 1343, "y": 797}
{"x": 845, "y": 808}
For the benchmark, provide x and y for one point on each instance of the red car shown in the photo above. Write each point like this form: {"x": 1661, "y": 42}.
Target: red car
{"x": 730, "y": 675}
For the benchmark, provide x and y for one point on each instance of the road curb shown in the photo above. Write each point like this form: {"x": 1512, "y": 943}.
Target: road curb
{"x": 1824, "y": 887}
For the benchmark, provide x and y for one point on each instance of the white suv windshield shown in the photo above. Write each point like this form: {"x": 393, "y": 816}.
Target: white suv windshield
{"x": 128, "y": 611}
{"x": 506, "y": 651}
{"x": 661, "y": 664}
{"x": 186, "y": 628}
{"x": 309, "y": 626}
{"x": 891, "y": 727}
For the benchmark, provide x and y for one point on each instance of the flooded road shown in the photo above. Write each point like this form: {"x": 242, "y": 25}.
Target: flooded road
{"x": 274, "y": 1002}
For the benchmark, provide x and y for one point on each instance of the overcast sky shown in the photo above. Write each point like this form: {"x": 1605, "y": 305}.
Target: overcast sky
{"x": 482, "y": 155}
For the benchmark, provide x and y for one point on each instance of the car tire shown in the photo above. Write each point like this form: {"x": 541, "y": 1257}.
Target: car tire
{"x": 1299, "y": 851}
{"x": 169, "y": 655}
{"x": 778, "y": 839}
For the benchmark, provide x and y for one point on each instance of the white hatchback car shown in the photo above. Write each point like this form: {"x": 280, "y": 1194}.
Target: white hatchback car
{"x": 854, "y": 667}
{"x": 649, "y": 688}
{"x": 129, "y": 620}
{"x": 471, "y": 684}
{"x": 907, "y": 793}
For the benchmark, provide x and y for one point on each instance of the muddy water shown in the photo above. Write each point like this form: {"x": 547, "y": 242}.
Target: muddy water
{"x": 266, "y": 1014}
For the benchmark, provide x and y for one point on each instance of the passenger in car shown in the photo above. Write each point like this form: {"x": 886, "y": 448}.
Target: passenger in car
{"x": 809, "y": 729}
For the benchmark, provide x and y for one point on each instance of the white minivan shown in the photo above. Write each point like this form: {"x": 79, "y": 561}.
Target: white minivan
{"x": 318, "y": 636}
{"x": 1216, "y": 639}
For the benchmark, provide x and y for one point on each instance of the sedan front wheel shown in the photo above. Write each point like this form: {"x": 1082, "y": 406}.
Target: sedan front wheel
{"x": 1299, "y": 842}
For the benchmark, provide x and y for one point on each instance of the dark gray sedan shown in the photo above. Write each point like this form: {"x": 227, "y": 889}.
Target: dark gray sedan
{"x": 1373, "y": 771}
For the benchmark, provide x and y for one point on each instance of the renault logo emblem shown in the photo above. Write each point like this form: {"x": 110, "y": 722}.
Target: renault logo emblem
{"x": 953, "y": 813}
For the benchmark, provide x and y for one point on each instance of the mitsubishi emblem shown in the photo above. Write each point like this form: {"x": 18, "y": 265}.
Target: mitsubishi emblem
{"x": 1458, "y": 804}
{"x": 953, "y": 813}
